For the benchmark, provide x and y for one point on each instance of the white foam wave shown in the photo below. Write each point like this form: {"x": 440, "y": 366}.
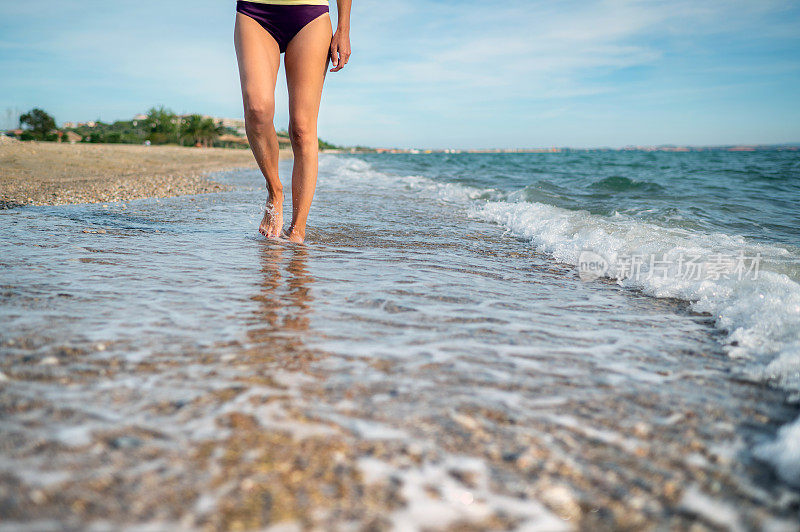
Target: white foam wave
{"x": 455, "y": 501}
{"x": 784, "y": 453}
{"x": 760, "y": 313}
{"x": 351, "y": 169}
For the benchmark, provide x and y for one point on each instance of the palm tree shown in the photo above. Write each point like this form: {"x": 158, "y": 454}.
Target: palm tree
{"x": 199, "y": 130}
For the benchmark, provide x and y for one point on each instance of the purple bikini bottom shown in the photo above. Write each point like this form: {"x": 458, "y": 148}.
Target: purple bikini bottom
{"x": 283, "y": 22}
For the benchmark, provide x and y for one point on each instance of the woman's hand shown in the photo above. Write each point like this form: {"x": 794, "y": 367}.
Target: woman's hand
{"x": 340, "y": 49}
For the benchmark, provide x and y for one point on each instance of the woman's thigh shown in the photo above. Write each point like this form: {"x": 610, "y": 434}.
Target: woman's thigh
{"x": 306, "y": 61}
{"x": 259, "y": 59}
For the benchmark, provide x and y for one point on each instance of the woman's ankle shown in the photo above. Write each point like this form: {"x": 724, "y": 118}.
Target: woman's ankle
{"x": 275, "y": 196}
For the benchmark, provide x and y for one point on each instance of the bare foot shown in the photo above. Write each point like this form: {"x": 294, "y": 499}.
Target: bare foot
{"x": 272, "y": 223}
{"x": 293, "y": 234}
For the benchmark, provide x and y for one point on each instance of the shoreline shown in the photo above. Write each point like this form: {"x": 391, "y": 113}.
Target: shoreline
{"x": 48, "y": 173}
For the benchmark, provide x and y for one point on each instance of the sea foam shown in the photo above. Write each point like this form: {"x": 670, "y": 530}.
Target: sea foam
{"x": 760, "y": 314}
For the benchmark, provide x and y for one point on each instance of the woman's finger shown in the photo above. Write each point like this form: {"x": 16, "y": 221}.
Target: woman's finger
{"x": 335, "y": 55}
{"x": 339, "y": 63}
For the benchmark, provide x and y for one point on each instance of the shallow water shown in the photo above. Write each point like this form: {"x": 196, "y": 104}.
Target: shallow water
{"x": 415, "y": 365}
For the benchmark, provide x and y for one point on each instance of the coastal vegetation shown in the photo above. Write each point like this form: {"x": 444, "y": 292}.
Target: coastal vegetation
{"x": 39, "y": 125}
{"x": 159, "y": 125}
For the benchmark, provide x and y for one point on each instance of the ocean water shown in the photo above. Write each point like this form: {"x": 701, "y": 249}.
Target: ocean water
{"x": 707, "y": 207}
{"x": 437, "y": 345}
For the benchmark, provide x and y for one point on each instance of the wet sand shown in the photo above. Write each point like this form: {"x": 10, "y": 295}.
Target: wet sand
{"x": 242, "y": 435}
{"x": 47, "y": 173}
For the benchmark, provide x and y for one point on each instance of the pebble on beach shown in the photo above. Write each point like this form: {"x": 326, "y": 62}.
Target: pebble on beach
{"x": 49, "y": 173}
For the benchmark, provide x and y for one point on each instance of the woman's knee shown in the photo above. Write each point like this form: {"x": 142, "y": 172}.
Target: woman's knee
{"x": 259, "y": 112}
{"x": 302, "y": 132}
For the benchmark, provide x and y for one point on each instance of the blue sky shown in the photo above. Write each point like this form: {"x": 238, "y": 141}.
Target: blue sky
{"x": 438, "y": 73}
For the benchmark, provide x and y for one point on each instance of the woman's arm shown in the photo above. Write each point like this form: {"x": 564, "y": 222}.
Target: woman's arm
{"x": 340, "y": 44}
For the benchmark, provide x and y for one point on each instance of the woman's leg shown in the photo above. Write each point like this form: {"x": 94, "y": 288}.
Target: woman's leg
{"x": 259, "y": 59}
{"x": 306, "y": 61}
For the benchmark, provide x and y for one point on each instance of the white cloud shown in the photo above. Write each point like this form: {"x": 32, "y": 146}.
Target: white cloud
{"x": 504, "y": 44}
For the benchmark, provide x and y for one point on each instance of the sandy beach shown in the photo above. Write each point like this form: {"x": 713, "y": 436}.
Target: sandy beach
{"x": 46, "y": 173}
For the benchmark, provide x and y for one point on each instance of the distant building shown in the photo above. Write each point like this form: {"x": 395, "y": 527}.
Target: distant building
{"x": 235, "y": 123}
